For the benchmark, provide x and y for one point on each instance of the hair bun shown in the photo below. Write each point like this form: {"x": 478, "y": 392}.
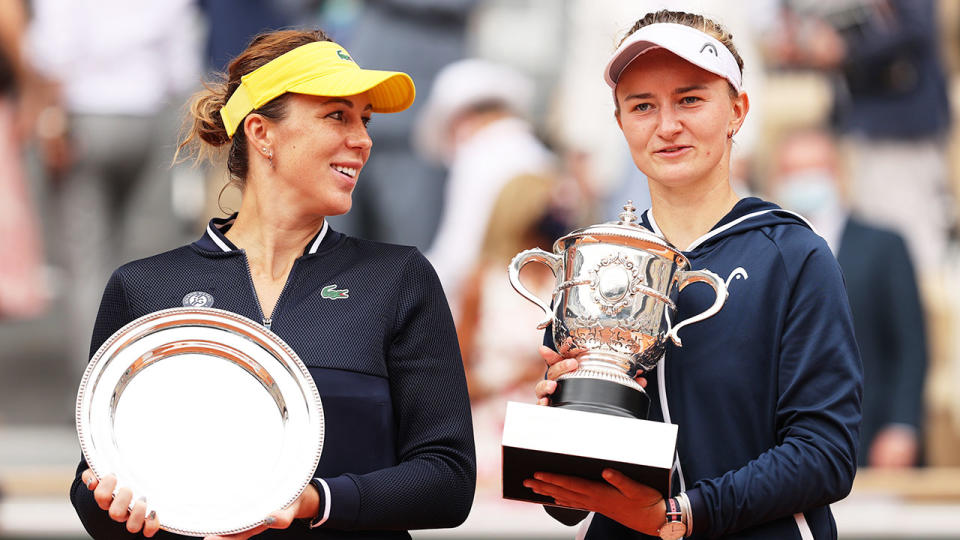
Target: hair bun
{"x": 205, "y": 110}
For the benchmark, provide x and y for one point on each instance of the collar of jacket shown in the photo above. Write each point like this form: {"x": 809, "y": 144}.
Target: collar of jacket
{"x": 214, "y": 237}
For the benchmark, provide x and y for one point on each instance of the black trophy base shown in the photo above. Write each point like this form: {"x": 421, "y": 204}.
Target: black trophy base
{"x": 599, "y": 396}
{"x": 577, "y": 443}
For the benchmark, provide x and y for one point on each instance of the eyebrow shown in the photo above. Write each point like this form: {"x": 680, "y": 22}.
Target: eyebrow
{"x": 346, "y": 102}
{"x": 681, "y": 90}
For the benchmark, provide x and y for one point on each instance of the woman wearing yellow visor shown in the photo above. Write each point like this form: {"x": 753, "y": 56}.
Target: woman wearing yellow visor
{"x": 368, "y": 319}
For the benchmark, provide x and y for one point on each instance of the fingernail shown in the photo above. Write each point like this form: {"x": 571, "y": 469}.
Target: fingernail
{"x": 270, "y": 520}
{"x": 90, "y": 483}
{"x": 538, "y": 476}
{"x": 152, "y": 515}
{"x": 527, "y": 483}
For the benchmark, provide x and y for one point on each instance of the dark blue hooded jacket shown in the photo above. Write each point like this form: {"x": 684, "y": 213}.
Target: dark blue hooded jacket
{"x": 766, "y": 393}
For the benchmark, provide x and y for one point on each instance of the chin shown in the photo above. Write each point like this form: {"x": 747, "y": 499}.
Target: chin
{"x": 340, "y": 209}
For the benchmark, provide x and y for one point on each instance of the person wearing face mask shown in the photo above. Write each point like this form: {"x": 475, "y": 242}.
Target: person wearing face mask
{"x": 882, "y": 288}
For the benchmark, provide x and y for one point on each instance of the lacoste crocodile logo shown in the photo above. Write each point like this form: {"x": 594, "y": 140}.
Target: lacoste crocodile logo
{"x": 331, "y": 292}
{"x": 345, "y": 56}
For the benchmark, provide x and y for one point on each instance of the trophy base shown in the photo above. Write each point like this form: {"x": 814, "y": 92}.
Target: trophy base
{"x": 575, "y": 443}
{"x": 600, "y": 396}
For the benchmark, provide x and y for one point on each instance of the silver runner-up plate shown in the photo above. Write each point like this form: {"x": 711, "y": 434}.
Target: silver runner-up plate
{"x": 208, "y": 415}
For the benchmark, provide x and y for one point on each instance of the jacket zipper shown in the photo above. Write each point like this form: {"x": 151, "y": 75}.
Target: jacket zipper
{"x": 267, "y": 321}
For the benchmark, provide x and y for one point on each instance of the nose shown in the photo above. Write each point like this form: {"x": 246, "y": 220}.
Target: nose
{"x": 359, "y": 138}
{"x": 669, "y": 125}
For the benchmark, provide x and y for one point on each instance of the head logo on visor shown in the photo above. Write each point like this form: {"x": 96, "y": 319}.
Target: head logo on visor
{"x": 694, "y": 46}
{"x": 322, "y": 68}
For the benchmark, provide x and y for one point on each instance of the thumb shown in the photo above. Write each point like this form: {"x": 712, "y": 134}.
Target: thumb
{"x": 628, "y": 487}
{"x": 280, "y": 519}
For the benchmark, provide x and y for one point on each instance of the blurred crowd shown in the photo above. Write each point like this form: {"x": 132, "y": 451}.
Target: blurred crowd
{"x": 511, "y": 143}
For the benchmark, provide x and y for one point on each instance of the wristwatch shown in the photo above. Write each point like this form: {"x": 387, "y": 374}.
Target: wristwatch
{"x": 673, "y": 529}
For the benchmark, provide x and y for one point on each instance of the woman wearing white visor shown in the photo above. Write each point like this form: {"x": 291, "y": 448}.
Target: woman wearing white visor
{"x": 766, "y": 393}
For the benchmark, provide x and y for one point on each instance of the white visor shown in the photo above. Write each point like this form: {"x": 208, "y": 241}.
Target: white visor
{"x": 692, "y": 45}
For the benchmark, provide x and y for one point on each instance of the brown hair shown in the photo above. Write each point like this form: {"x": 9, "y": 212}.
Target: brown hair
{"x": 693, "y": 20}
{"x": 204, "y": 128}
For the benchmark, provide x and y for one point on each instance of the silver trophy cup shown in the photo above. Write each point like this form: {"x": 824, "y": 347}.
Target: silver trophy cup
{"x": 614, "y": 305}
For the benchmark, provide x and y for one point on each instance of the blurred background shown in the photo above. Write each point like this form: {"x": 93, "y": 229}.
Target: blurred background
{"x": 510, "y": 144}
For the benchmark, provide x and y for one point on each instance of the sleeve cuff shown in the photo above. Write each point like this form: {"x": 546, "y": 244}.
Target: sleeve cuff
{"x": 339, "y": 502}
{"x": 699, "y": 510}
{"x": 323, "y": 513}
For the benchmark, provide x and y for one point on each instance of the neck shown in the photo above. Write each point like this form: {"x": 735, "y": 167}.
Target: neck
{"x": 688, "y": 212}
{"x": 272, "y": 235}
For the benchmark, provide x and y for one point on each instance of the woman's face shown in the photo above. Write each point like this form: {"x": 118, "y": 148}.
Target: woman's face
{"x": 320, "y": 148}
{"x": 676, "y": 117}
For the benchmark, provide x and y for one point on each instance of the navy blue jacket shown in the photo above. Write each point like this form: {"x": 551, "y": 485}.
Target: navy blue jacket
{"x": 893, "y": 85}
{"x": 766, "y": 393}
{"x": 888, "y": 318}
{"x": 398, "y": 447}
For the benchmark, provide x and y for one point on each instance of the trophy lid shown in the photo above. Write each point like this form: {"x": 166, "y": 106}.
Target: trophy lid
{"x": 627, "y": 231}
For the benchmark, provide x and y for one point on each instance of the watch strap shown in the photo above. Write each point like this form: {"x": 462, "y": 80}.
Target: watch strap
{"x": 674, "y": 514}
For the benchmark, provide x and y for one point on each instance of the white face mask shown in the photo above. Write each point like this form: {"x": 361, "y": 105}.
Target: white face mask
{"x": 808, "y": 192}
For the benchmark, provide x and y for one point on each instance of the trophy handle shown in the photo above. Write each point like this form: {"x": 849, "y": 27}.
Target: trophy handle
{"x": 692, "y": 276}
{"x": 554, "y": 262}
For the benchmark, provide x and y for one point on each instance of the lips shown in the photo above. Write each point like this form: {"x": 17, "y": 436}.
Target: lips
{"x": 672, "y": 150}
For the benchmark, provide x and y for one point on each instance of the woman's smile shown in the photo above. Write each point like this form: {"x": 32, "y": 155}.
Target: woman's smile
{"x": 347, "y": 172}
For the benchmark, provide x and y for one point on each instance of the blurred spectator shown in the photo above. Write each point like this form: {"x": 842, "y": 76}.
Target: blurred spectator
{"x": 399, "y": 196}
{"x": 496, "y": 326}
{"x": 23, "y": 292}
{"x": 473, "y": 122}
{"x": 231, "y": 24}
{"x": 890, "y": 99}
{"x": 882, "y": 288}
{"x": 498, "y": 202}
{"x": 120, "y": 63}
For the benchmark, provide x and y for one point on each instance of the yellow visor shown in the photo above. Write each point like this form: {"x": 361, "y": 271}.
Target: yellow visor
{"x": 322, "y": 68}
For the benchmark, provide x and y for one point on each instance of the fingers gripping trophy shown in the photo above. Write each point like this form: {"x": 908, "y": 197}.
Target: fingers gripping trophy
{"x": 614, "y": 307}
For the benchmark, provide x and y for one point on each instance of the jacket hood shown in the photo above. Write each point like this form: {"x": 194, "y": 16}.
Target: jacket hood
{"x": 748, "y": 214}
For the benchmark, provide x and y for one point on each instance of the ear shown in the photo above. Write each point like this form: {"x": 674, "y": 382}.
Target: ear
{"x": 259, "y": 131}
{"x": 740, "y": 105}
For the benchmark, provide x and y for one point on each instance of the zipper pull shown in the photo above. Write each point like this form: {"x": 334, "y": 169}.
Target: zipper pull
{"x": 267, "y": 322}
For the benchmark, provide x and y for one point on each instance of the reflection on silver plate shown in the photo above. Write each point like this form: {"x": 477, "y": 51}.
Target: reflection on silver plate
{"x": 207, "y": 414}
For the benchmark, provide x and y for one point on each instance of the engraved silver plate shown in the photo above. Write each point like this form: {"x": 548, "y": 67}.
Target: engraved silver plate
{"x": 208, "y": 415}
